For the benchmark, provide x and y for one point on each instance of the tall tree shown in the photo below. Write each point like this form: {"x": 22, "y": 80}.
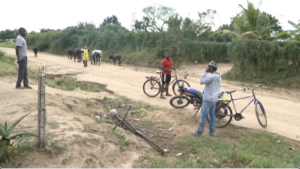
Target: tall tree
{"x": 112, "y": 20}
{"x": 251, "y": 23}
{"x": 155, "y": 18}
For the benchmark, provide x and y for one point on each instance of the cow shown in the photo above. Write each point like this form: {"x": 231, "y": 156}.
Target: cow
{"x": 35, "y": 50}
{"x": 77, "y": 54}
{"x": 70, "y": 53}
{"x": 116, "y": 57}
{"x": 96, "y": 57}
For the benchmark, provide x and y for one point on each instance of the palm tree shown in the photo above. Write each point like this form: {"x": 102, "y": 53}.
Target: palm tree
{"x": 294, "y": 34}
{"x": 251, "y": 23}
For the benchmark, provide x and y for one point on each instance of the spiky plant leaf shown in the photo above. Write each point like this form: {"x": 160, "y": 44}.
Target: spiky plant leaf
{"x": 5, "y": 126}
{"x": 2, "y": 147}
{"x": 21, "y": 133}
{"x": 15, "y": 123}
{"x": 2, "y": 131}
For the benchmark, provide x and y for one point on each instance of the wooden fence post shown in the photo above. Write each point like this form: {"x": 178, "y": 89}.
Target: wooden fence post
{"x": 42, "y": 115}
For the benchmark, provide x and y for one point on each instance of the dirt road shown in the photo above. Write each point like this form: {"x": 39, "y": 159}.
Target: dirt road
{"x": 281, "y": 105}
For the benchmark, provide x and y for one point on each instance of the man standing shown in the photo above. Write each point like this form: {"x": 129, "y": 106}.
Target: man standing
{"x": 85, "y": 56}
{"x": 21, "y": 52}
{"x": 166, "y": 66}
{"x": 210, "y": 98}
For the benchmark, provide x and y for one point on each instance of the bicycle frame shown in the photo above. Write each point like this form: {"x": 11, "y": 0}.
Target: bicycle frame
{"x": 240, "y": 98}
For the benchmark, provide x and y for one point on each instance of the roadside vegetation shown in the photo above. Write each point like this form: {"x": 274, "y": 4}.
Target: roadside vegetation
{"x": 250, "y": 149}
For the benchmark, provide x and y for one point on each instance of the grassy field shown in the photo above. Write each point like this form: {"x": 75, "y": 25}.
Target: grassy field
{"x": 8, "y": 44}
{"x": 253, "y": 149}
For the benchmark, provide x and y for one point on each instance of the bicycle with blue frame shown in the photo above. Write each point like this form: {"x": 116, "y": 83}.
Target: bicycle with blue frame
{"x": 226, "y": 115}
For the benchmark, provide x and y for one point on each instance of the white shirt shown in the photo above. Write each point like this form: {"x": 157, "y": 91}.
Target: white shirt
{"x": 20, "y": 41}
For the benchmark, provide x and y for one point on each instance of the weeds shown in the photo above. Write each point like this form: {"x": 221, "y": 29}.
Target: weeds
{"x": 53, "y": 125}
{"x": 77, "y": 119}
{"x": 124, "y": 144}
{"x": 78, "y": 139}
{"x": 255, "y": 149}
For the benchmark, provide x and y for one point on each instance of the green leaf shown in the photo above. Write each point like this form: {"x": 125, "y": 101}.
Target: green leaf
{"x": 12, "y": 152}
{"x": 5, "y": 126}
{"x": 15, "y": 123}
{"x": 2, "y": 131}
{"x": 18, "y": 149}
{"x": 21, "y": 133}
{"x": 281, "y": 34}
{"x": 2, "y": 147}
{"x": 292, "y": 23}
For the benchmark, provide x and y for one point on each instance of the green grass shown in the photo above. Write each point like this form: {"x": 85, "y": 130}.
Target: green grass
{"x": 69, "y": 84}
{"x": 269, "y": 80}
{"x": 78, "y": 139}
{"x": 253, "y": 149}
{"x": 9, "y": 66}
{"x": 8, "y": 44}
{"x": 65, "y": 83}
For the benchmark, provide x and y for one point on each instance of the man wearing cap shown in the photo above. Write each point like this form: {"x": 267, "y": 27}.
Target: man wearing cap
{"x": 210, "y": 97}
{"x": 166, "y": 66}
{"x": 21, "y": 52}
{"x": 85, "y": 56}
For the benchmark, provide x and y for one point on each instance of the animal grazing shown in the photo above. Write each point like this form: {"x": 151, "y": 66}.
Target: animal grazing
{"x": 96, "y": 57}
{"x": 35, "y": 50}
{"x": 116, "y": 57}
{"x": 70, "y": 53}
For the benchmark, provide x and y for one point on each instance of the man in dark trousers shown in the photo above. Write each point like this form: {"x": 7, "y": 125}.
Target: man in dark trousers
{"x": 21, "y": 52}
{"x": 210, "y": 97}
{"x": 166, "y": 66}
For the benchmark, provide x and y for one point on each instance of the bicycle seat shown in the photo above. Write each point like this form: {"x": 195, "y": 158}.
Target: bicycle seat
{"x": 158, "y": 71}
{"x": 230, "y": 91}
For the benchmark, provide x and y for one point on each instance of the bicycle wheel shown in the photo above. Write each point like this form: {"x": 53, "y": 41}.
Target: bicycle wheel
{"x": 179, "y": 101}
{"x": 150, "y": 142}
{"x": 261, "y": 114}
{"x": 223, "y": 116}
{"x": 151, "y": 87}
{"x": 179, "y": 83}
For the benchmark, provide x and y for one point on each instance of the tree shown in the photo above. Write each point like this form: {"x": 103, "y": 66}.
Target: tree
{"x": 113, "y": 20}
{"x": 293, "y": 34}
{"x": 251, "y": 23}
{"x": 7, "y": 34}
{"x": 155, "y": 18}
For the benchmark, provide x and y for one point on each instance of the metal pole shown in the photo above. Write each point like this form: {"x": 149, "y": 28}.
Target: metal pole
{"x": 42, "y": 115}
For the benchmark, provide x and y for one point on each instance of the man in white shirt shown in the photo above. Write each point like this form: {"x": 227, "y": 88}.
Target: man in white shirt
{"x": 210, "y": 97}
{"x": 21, "y": 52}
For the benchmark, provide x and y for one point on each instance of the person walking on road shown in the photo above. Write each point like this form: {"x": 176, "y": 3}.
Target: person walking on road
{"x": 210, "y": 97}
{"x": 85, "y": 56}
{"x": 21, "y": 52}
{"x": 166, "y": 66}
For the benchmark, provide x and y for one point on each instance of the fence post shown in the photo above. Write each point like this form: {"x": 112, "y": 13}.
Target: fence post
{"x": 42, "y": 116}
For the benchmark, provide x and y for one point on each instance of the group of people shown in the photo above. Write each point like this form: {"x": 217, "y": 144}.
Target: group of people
{"x": 210, "y": 94}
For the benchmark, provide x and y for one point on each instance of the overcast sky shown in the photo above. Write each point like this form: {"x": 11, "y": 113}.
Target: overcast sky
{"x": 59, "y": 14}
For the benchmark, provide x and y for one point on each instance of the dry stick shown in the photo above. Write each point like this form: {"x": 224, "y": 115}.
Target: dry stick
{"x": 172, "y": 127}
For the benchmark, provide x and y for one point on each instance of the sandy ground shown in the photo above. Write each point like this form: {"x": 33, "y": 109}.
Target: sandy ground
{"x": 281, "y": 105}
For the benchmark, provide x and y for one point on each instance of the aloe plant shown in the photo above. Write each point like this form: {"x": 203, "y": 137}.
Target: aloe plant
{"x": 6, "y": 133}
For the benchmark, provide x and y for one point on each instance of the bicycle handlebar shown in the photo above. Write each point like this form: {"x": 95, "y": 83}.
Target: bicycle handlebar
{"x": 244, "y": 89}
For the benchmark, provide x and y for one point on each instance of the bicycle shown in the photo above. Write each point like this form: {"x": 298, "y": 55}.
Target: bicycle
{"x": 259, "y": 109}
{"x": 136, "y": 131}
{"x": 152, "y": 85}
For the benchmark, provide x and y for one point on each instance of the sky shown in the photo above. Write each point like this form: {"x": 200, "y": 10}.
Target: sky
{"x": 59, "y": 14}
